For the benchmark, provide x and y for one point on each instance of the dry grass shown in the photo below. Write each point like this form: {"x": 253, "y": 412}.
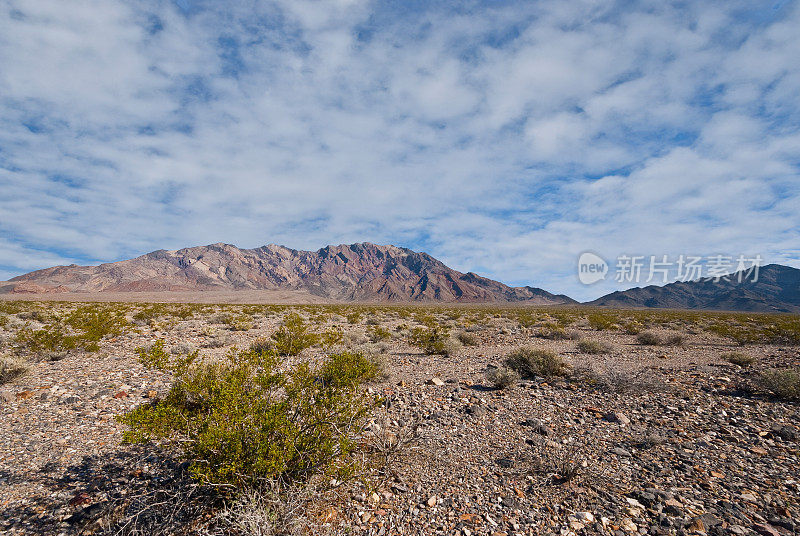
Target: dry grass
{"x": 11, "y": 368}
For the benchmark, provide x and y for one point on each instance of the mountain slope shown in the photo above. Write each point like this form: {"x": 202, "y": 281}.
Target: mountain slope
{"x": 356, "y": 272}
{"x": 777, "y": 290}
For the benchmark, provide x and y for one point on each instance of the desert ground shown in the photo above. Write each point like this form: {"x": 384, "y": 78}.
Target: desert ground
{"x": 636, "y": 422}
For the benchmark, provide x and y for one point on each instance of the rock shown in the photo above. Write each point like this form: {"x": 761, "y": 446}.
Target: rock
{"x": 432, "y": 501}
{"x": 435, "y": 381}
{"x": 766, "y": 529}
{"x": 696, "y": 526}
{"x": 737, "y": 529}
{"x": 24, "y": 395}
{"x": 619, "y": 451}
{"x": 121, "y": 394}
{"x": 152, "y": 394}
{"x": 505, "y": 462}
{"x": 617, "y": 417}
{"x": 6, "y": 396}
{"x": 476, "y": 411}
{"x": 786, "y": 433}
{"x": 538, "y": 426}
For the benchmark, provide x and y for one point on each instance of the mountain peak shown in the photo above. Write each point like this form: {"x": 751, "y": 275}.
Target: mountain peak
{"x": 345, "y": 272}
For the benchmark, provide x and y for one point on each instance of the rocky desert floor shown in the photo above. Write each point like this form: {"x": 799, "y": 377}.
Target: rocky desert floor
{"x": 644, "y": 439}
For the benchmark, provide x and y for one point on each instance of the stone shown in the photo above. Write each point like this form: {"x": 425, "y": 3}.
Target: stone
{"x": 765, "y": 529}
{"x": 619, "y": 451}
{"x": 435, "y": 381}
{"x": 6, "y": 396}
{"x": 432, "y": 501}
{"x": 617, "y": 417}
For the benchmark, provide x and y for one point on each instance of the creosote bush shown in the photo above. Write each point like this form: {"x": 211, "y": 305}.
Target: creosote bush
{"x": 530, "y": 362}
{"x": 246, "y": 420}
{"x": 293, "y": 336}
{"x": 783, "y": 383}
{"x": 431, "y": 340}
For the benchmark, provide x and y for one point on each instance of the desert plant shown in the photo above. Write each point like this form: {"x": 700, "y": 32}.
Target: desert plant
{"x": 601, "y": 321}
{"x": 467, "y": 339}
{"x": 783, "y": 383}
{"x": 738, "y": 358}
{"x": 11, "y": 368}
{"x": 502, "y": 377}
{"x": 530, "y": 362}
{"x": 293, "y": 336}
{"x": 594, "y": 347}
{"x": 245, "y": 420}
{"x": 378, "y": 333}
{"x": 675, "y": 339}
{"x": 432, "y": 340}
{"x": 648, "y": 338}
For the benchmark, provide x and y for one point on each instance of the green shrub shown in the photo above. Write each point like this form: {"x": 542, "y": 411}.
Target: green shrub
{"x": 502, "y": 377}
{"x": 243, "y": 420}
{"x": 432, "y": 340}
{"x": 377, "y": 333}
{"x": 784, "y": 383}
{"x": 529, "y": 362}
{"x": 293, "y": 336}
{"x": 47, "y": 339}
{"x": 600, "y": 321}
{"x": 594, "y": 347}
{"x": 552, "y": 332}
{"x": 738, "y": 358}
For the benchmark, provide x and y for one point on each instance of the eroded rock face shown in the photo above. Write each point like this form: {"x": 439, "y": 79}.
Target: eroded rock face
{"x": 356, "y": 272}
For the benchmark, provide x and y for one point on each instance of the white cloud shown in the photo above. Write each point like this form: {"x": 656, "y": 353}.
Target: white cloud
{"x": 506, "y": 138}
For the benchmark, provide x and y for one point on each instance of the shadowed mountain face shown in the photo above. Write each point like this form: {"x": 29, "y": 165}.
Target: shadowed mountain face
{"x": 357, "y": 272}
{"x": 776, "y": 290}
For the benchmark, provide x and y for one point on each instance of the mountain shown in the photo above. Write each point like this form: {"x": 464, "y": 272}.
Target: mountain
{"x": 776, "y": 290}
{"x": 356, "y": 272}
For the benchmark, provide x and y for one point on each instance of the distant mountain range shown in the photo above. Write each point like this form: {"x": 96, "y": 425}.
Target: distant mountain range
{"x": 373, "y": 273}
{"x": 356, "y": 272}
{"x": 777, "y": 289}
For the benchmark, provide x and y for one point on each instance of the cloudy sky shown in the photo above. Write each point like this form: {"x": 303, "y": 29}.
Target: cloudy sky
{"x": 501, "y": 137}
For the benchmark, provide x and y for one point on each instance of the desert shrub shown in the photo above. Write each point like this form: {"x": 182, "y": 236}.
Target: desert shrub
{"x": 594, "y": 347}
{"x": 601, "y": 321}
{"x": 432, "y": 340}
{"x": 738, "y": 358}
{"x": 4, "y": 321}
{"x": 11, "y": 368}
{"x": 648, "y": 338}
{"x": 467, "y": 339}
{"x": 293, "y": 336}
{"x": 378, "y": 333}
{"x": 245, "y": 420}
{"x": 240, "y": 323}
{"x": 353, "y": 317}
{"x": 618, "y": 381}
{"x": 502, "y": 377}
{"x": 530, "y": 362}
{"x": 182, "y": 348}
{"x": 451, "y": 347}
{"x": 46, "y": 340}
{"x": 552, "y": 331}
{"x": 261, "y": 346}
{"x": 95, "y": 323}
{"x": 675, "y": 339}
{"x": 632, "y": 327}
{"x": 331, "y": 337}
{"x": 784, "y": 383}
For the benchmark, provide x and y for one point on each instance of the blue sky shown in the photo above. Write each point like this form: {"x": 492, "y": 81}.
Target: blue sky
{"x": 501, "y": 137}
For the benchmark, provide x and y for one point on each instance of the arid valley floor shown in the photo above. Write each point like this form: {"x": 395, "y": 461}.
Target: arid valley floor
{"x": 680, "y": 431}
